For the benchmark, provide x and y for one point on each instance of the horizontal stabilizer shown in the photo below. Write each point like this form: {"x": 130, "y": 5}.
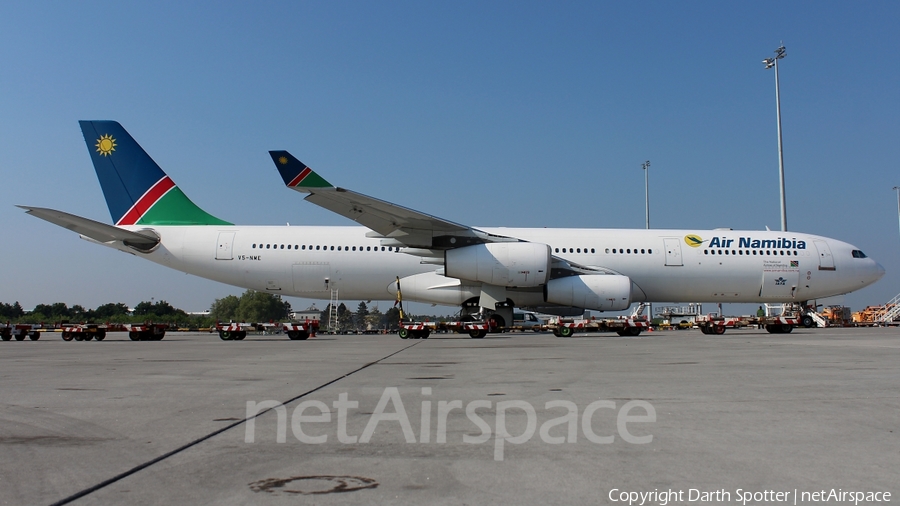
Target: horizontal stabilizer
{"x": 95, "y": 230}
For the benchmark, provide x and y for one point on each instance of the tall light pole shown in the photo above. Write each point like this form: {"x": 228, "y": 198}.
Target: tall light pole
{"x": 646, "y": 167}
{"x": 769, "y": 63}
{"x": 897, "y": 189}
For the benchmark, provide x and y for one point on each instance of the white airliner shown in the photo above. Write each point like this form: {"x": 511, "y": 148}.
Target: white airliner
{"x": 559, "y": 271}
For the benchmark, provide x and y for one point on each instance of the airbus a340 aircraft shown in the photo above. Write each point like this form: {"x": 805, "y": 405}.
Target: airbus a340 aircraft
{"x": 442, "y": 262}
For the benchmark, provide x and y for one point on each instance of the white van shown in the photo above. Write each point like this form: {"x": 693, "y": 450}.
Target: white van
{"x": 526, "y": 321}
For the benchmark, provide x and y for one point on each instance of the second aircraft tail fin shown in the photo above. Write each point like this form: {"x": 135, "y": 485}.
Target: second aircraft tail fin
{"x": 296, "y": 174}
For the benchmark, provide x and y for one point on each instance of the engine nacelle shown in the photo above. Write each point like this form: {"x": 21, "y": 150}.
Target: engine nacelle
{"x": 434, "y": 288}
{"x": 523, "y": 264}
{"x": 598, "y": 292}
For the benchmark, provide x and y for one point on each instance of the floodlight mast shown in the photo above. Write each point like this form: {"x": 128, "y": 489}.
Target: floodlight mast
{"x": 897, "y": 189}
{"x": 769, "y": 63}
{"x": 646, "y": 167}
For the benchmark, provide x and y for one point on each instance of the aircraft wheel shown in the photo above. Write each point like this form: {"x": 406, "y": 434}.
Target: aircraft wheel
{"x": 808, "y": 322}
{"x": 403, "y": 333}
{"x": 34, "y": 336}
{"x": 477, "y": 333}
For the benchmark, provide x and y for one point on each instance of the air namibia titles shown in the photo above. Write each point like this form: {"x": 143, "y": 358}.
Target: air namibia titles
{"x": 751, "y": 243}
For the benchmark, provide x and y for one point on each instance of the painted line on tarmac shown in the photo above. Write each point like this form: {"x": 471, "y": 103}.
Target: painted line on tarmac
{"x": 176, "y": 451}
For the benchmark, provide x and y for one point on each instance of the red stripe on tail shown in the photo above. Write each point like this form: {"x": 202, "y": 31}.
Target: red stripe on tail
{"x": 300, "y": 177}
{"x": 146, "y": 201}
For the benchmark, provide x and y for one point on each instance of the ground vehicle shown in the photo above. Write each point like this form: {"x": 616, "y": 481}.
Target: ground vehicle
{"x": 525, "y": 320}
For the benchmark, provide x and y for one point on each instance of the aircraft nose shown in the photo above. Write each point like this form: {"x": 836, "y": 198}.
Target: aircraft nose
{"x": 879, "y": 271}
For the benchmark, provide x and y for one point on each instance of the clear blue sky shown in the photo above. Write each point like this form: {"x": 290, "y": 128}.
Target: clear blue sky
{"x": 485, "y": 113}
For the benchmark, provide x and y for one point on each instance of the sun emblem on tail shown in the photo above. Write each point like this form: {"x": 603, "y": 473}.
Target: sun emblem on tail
{"x": 283, "y": 160}
{"x": 106, "y": 145}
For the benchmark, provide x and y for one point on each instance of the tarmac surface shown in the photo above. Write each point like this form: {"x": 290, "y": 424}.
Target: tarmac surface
{"x": 509, "y": 419}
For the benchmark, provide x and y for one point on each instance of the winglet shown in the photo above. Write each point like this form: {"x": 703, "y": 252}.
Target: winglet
{"x": 296, "y": 174}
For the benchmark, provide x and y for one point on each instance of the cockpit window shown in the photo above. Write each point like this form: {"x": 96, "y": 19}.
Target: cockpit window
{"x": 858, "y": 254}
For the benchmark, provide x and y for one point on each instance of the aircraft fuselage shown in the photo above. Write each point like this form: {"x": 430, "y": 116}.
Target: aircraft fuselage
{"x": 664, "y": 265}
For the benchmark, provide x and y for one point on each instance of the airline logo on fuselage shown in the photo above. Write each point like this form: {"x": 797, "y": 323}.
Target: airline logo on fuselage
{"x": 693, "y": 241}
{"x": 751, "y": 243}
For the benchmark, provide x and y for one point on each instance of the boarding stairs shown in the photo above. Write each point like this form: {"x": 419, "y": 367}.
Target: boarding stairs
{"x": 332, "y": 312}
{"x": 820, "y": 320}
{"x": 638, "y": 310}
{"x": 891, "y": 311}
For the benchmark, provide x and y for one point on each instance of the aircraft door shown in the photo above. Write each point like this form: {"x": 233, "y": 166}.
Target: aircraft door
{"x": 826, "y": 261}
{"x": 312, "y": 277}
{"x": 673, "y": 251}
{"x": 224, "y": 246}
{"x": 779, "y": 281}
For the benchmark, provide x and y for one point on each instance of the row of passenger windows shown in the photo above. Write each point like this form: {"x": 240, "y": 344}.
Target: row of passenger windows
{"x": 747, "y": 252}
{"x": 324, "y": 248}
{"x": 627, "y": 251}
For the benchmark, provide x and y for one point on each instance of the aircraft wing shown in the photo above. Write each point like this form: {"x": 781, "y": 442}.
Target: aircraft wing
{"x": 95, "y": 230}
{"x": 389, "y": 221}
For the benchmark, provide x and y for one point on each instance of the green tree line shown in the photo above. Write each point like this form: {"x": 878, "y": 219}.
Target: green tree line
{"x": 250, "y": 307}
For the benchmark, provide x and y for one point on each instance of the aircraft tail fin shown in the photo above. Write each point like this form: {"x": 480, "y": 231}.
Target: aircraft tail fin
{"x": 296, "y": 174}
{"x": 137, "y": 190}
